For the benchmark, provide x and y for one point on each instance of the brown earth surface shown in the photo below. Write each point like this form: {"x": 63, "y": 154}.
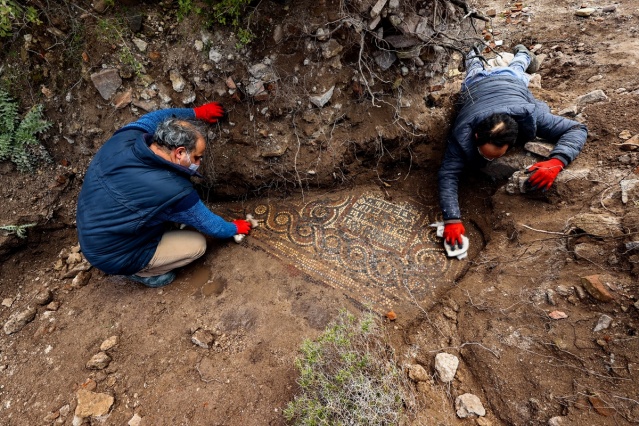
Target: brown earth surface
{"x": 331, "y": 187}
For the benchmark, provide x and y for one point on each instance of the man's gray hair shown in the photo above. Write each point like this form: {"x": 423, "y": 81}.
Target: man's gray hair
{"x": 176, "y": 132}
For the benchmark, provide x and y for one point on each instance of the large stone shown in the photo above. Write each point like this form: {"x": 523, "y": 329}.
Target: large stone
{"x": 331, "y": 48}
{"x": 100, "y": 6}
{"x": 99, "y": 361}
{"x": 597, "y": 225}
{"x": 203, "y": 338}
{"x": 385, "y": 59}
{"x": 92, "y": 404}
{"x": 446, "y": 366}
{"x": 595, "y": 287}
{"x": 109, "y": 343}
{"x": 122, "y": 99}
{"x": 627, "y": 187}
{"x": 43, "y": 297}
{"x": 177, "y": 81}
{"x": 107, "y": 82}
{"x": 504, "y": 167}
{"x": 417, "y": 373}
{"x": 585, "y": 11}
{"x": 591, "y": 98}
{"x": 81, "y": 279}
{"x": 402, "y": 41}
{"x": 589, "y": 251}
{"x": 18, "y": 320}
{"x": 603, "y": 323}
{"x": 259, "y": 70}
{"x": 376, "y": 10}
{"x": 140, "y": 44}
{"x": 468, "y": 405}
{"x": 136, "y": 420}
{"x": 321, "y": 100}
{"x": 423, "y": 30}
{"x": 542, "y": 149}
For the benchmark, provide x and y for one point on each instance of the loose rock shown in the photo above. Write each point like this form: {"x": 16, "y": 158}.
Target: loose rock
{"x": 540, "y": 148}
{"x": 603, "y": 323}
{"x": 446, "y": 366}
{"x": 591, "y": 98}
{"x": 136, "y": 420}
{"x": 555, "y": 421}
{"x": 594, "y": 286}
{"x": 140, "y": 44}
{"x": 203, "y": 338}
{"x": 99, "y": 361}
{"x": 598, "y": 225}
{"x": 18, "y": 320}
{"x": 468, "y": 405}
{"x": 417, "y": 373}
{"x": 43, "y": 297}
{"x": 92, "y": 403}
{"x": 585, "y": 12}
{"x": 81, "y": 279}
{"x": 107, "y": 82}
{"x": 320, "y": 101}
{"x": 109, "y": 343}
{"x": 177, "y": 81}
{"x": 122, "y": 99}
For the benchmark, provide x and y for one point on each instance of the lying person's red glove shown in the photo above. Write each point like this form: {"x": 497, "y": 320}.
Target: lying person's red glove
{"x": 243, "y": 226}
{"x": 544, "y": 173}
{"x": 453, "y": 233}
{"x": 209, "y": 112}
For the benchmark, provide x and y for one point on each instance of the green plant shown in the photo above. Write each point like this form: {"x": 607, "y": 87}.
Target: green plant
{"x": 111, "y": 30}
{"x": 184, "y": 8}
{"x": 11, "y": 13}
{"x": 18, "y": 142}
{"x": 19, "y": 230}
{"x": 349, "y": 377}
{"x": 231, "y": 12}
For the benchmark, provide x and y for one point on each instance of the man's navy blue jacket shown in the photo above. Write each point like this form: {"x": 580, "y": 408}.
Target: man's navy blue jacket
{"x": 125, "y": 189}
{"x": 493, "y": 95}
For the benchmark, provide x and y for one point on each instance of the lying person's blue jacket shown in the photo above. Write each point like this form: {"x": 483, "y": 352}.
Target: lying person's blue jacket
{"x": 493, "y": 95}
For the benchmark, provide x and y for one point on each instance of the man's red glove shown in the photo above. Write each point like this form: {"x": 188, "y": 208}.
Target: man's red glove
{"x": 209, "y": 112}
{"x": 544, "y": 173}
{"x": 243, "y": 226}
{"x": 453, "y": 234}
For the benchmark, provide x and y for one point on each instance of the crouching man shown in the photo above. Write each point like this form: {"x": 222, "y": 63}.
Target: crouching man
{"x": 137, "y": 186}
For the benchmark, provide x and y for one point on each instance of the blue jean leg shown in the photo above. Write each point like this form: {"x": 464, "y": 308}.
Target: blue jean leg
{"x": 516, "y": 68}
{"x": 520, "y": 62}
{"x": 473, "y": 66}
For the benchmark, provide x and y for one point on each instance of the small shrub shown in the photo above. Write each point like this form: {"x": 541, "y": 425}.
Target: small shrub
{"x": 112, "y": 31}
{"x": 11, "y": 13}
{"x": 184, "y": 9}
{"x": 18, "y": 141}
{"x": 19, "y": 230}
{"x": 231, "y": 12}
{"x": 348, "y": 377}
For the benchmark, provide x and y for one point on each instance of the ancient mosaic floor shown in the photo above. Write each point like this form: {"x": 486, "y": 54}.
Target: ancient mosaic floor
{"x": 377, "y": 252}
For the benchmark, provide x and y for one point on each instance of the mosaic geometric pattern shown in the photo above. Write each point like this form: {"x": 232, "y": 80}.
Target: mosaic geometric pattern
{"x": 377, "y": 252}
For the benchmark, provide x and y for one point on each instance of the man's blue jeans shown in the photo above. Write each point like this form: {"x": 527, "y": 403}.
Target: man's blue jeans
{"x": 475, "y": 70}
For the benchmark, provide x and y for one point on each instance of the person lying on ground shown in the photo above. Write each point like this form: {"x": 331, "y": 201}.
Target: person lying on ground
{"x": 137, "y": 186}
{"x": 498, "y": 111}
